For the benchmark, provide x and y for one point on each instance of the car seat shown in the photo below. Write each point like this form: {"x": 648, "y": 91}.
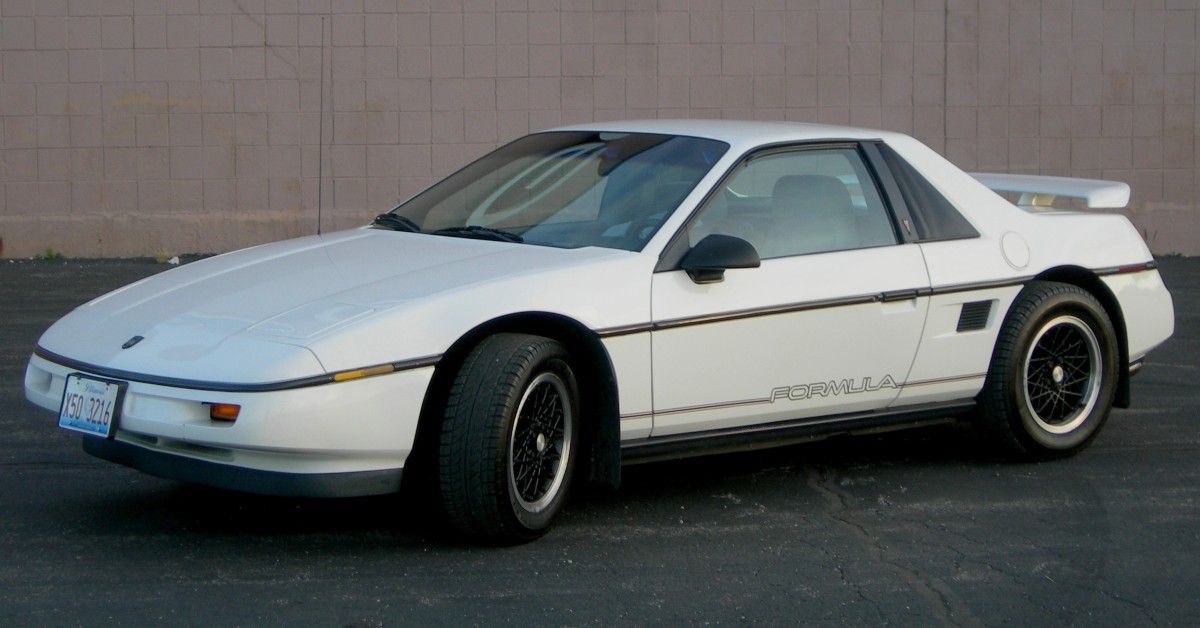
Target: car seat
{"x": 810, "y": 213}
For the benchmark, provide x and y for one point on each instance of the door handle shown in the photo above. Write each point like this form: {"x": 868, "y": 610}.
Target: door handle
{"x": 899, "y": 295}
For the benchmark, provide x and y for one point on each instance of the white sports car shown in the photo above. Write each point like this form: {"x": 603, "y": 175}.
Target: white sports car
{"x": 595, "y": 295}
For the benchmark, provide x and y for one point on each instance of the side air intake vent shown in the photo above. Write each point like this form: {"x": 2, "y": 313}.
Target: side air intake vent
{"x": 974, "y": 315}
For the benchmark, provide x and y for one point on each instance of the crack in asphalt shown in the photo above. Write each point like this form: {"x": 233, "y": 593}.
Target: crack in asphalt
{"x": 943, "y": 605}
{"x": 1141, "y": 608}
{"x": 944, "y": 530}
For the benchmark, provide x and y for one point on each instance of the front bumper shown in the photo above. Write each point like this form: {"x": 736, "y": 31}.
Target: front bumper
{"x": 337, "y": 439}
{"x": 197, "y": 471}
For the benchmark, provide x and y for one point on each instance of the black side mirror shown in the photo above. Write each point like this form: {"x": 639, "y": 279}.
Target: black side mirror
{"x": 708, "y": 260}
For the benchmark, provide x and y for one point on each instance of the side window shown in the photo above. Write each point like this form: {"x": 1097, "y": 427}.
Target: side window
{"x": 934, "y": 217}
{"x": 799, "y": 202}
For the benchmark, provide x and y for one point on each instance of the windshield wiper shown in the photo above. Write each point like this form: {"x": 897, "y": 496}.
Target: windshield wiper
{"x": 480, "y": 233}
{"x": 395, "y": 222}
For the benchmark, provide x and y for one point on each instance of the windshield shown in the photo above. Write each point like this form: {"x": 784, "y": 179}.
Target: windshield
{"x": 565, "y": 189}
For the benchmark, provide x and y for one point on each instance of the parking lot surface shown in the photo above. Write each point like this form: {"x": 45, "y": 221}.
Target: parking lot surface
{"x": 919, "y": 527}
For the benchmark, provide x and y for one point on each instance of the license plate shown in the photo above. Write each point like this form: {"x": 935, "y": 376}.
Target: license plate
{"x": 90, "y": 405}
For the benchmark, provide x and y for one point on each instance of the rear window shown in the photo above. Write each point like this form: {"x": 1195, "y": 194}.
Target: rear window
{"x": 934, "y": 217}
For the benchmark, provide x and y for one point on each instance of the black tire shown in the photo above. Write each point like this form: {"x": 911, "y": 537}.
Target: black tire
{"x": 1053, "y": 374}
{"x": 504, "y": 469}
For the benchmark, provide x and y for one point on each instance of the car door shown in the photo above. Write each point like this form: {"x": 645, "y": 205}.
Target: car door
{"x": 828, "y": 324}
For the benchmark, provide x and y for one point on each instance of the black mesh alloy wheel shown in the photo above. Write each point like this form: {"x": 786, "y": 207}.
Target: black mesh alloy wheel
{"x": 1053, "y": 374}
{"x": 509, "y": 436}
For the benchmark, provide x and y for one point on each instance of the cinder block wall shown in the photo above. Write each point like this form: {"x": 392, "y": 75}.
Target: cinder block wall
{"x": 135, "y": 127}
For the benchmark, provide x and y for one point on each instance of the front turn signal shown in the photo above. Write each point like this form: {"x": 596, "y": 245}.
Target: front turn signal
{"x": 224, "y": 411}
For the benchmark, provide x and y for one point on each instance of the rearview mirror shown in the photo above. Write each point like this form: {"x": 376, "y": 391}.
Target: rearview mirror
{"x": 711, "y": 257}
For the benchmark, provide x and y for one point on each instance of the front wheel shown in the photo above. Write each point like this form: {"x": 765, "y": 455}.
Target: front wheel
{"x": 509, "y": 437}
{"x": 1053, "y": 374}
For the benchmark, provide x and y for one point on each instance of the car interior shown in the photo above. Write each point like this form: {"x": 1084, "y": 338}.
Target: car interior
{"x": 815, "y": 204}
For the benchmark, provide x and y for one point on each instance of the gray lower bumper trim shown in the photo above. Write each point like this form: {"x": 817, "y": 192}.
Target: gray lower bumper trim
{"x": 184, "y": 469}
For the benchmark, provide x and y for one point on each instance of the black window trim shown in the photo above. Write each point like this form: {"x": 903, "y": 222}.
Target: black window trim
{"x": 672, "y": 254}
{"x": 891, "y": 192}
{"x": 881, "y": 166}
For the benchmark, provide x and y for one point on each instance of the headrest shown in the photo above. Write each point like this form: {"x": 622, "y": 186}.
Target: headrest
{"x": 810, "y": 191}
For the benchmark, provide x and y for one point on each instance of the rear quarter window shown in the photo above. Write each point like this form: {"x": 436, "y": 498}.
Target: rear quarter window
{"x": 934, "y": 217}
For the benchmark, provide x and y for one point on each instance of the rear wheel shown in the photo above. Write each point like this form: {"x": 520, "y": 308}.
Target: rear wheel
{"x": 1053, "y": 374}
{"x": 509, "y": 437}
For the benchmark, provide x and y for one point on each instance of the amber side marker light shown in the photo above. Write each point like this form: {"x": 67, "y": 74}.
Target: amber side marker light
{"x": 224, "y": 411}
{"x": 346, "y": 376}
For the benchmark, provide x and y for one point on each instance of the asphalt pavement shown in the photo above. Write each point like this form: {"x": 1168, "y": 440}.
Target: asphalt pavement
{"x": 914, "y": 528}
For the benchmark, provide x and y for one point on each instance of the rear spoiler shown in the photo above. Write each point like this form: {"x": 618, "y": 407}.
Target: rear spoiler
{"x": 1039, "y": 191}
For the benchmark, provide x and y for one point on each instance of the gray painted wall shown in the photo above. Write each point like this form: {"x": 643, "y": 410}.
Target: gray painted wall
{"x": 136, "y": 127}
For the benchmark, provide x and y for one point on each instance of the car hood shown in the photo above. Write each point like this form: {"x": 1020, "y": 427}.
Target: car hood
{"x": 256, "y": 314}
